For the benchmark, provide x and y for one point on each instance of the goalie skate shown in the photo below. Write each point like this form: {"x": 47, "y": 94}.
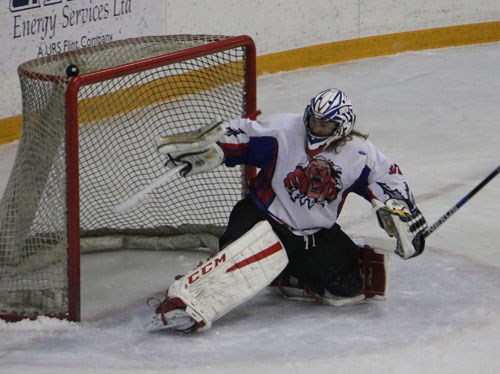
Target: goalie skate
{"x": 171, "y": 314}
{"x": 176, "y": 319}
{"x": 292, "y": 289}
{"x": 373, "y": 266}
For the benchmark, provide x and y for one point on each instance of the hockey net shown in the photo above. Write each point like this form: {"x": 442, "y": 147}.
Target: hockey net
{"x": 87, "y": 145}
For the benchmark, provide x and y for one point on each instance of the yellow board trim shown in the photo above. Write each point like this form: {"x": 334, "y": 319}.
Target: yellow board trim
{"x": 348, "y": 50}
{"x": 374, "y": 46}
{"x": 10, "y": 129}
{"x": 157, "y": 91}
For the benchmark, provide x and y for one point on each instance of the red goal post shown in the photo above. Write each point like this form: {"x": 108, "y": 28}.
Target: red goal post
{"x": 87, "y": 145}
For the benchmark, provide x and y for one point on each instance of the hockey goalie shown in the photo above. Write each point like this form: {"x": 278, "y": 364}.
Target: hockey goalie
{"x": 284, "y": 234}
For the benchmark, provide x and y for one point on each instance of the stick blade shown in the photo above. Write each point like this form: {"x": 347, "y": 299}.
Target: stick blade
{"x": 138, "y": 197}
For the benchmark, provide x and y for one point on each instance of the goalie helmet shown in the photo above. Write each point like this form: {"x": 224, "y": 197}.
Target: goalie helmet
{"x": 330, "y": 106}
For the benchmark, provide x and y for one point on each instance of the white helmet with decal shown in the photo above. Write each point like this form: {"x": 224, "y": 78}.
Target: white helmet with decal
{"x": 331, "y": 106}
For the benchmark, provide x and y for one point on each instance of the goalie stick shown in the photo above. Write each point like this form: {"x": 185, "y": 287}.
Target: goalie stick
{"x": 458, "y": 205}
{"x": 136, "y": 199}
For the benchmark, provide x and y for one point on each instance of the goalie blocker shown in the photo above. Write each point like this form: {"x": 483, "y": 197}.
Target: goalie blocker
{"x": 407, "y": 227}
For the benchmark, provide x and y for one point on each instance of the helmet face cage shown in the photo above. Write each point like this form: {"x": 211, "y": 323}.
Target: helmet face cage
{"x": 333, "y": 106}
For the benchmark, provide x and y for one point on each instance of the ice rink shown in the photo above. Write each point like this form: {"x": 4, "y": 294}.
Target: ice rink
{"x": 437, "y": 114}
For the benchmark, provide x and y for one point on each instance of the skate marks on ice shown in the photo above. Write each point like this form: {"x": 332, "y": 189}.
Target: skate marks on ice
{"x": 434, "y": 295}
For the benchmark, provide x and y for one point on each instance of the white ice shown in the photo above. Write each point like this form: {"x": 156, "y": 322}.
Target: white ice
{"x": 434, "y": 112}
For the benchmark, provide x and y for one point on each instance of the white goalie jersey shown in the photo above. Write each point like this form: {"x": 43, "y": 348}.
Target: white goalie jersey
{"x": 306, "y": 193}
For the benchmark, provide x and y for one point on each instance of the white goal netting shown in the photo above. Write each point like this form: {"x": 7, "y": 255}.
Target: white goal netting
{"x": 87, "y": 145}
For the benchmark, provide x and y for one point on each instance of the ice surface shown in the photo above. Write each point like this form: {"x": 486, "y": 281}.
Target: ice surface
{"x": 434, "y": 112}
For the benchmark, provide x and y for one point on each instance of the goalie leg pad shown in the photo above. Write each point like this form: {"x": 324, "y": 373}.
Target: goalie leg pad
{"x": 232, "y": 276}
{"x": 374, "y": 273}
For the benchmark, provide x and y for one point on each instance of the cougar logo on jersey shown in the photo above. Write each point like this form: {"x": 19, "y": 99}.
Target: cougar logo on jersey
{"x": 318, "y": 182}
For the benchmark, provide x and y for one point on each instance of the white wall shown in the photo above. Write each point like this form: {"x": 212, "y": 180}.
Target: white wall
{"x": 275, "y": 25}
{"x": 278, "y": 25}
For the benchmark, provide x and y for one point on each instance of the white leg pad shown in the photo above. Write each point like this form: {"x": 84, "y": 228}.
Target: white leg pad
{"x": 232, "y": 276}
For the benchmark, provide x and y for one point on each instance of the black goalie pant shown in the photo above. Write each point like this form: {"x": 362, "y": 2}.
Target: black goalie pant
{"x": 327, "y": 260}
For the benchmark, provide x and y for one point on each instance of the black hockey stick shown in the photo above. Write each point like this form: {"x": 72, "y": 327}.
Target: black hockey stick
{"x": 457, "y": 206}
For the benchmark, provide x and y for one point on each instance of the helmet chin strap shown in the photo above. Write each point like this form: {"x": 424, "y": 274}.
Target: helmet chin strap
{"x": 314, "y": 152}
{"x": 311, "y": 152}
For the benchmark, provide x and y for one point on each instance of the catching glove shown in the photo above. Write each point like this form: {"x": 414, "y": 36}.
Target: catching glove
{"x": 198, "y": 162}
{"x": 191, "y": 141}
{"x": 197, "y": 149}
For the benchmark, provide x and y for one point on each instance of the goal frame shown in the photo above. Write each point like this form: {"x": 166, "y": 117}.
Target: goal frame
{"x": 72, "y": 143}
